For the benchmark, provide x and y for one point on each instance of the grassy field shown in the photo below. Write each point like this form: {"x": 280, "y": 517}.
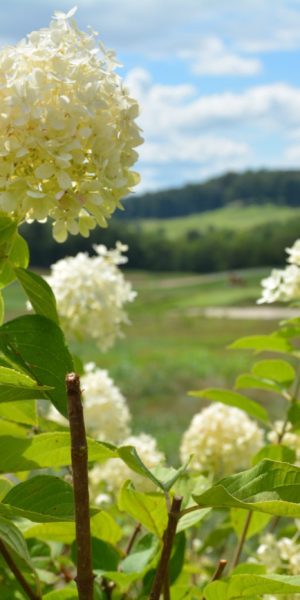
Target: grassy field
{"x": 166, "y": 351}
{"x": 233, "y": 216}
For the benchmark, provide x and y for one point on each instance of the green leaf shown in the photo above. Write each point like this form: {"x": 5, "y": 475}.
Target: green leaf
{"x": 18, "y": 256}
{"x": 2, "y": 308}
{"x": 13, "y": 539}
{"x": 122, "y": 580}
{"x": 272, "y": 375}
{"x": 39, "y": 293}
{"x": 37, "y": 345}
{"x": 46, "y": 450}
{"x": 177, "y": 558}
{"x": 233, "y": 399}
{"x": 191, "y": 519}
{"x": 23, "y": 411}
{"x": 8, "y": 230}
{"x": 277, "y": 452}
{"x": 5, "y": 486}
{"x": 131, "y": 458}
{"x": 248, "y": 381}
{"x": 294, "y": 414}
{"x": 67, "y": 593}
{"x": 41, "y": 499}
{"x": 12, "y": 430}
{"x": 167, "y": 476}
{"x": 258, "y": 522}
{"x": 277, "y": 370}
{"x": 148, "y": 509}
{"x": 144, "y": 552}
{"x": 15, "y": 385}
{"x": 105, "y": 556}
{"x": 103, "y": 527}
{"x": 15, "y": 543}
{"x": 270, "y": 487}
{"x": 250, "y": 585}
{"x": 261, "y": 343}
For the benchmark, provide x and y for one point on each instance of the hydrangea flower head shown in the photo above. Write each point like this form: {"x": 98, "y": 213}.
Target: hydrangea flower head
{"x": 90, "y": 293}
{"x": 106, "y": 414}
{"x": 222, "y": 439}
{"x": 283, "y": 285}
{"x": 289, "y": 438}
{"x": 67, "y": 130}
{"x": 115, "y": 472}
{"x": 283, "y": 554}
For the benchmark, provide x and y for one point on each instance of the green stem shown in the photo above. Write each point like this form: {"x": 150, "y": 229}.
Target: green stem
{"x": 242, "y": 540}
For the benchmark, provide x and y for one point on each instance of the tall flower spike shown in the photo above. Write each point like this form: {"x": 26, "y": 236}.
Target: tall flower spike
{"x": 67, "y": 130}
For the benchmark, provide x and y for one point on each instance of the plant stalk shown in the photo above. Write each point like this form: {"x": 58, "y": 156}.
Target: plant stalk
{"x": 79, "y": 456}
{"x": 17, "y": 573}
{"x": 132, "y": 539}
{"x": 242, "y": 540}
{"x": 219, "y": 571}
{"x": 167, "y": 595}
{"x": 168, "y": 539}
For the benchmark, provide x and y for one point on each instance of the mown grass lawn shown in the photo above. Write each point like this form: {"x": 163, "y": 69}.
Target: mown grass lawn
{"x": 166, "y": 352}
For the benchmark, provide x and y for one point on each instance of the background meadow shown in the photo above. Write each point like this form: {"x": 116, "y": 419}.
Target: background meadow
{"x": 171, "y": 346}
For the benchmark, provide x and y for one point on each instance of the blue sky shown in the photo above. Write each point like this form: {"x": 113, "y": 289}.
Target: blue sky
{"x": 218, "y": 81}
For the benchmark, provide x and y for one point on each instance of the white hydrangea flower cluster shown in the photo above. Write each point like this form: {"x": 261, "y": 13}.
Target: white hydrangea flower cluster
{"x": 115, "y": 472}
{"x": 106, "y": 413}
{"x": 290, "y": 439}
{"x": 283, "y": 554}
{"x": 283, "y": 285}
{"x": 67, "y": 129}
{"x": 222, "y": 439}
{"x": 90, "y": 294}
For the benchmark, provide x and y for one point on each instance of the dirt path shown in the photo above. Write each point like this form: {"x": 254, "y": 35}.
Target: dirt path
{"x": 271, "y": 313}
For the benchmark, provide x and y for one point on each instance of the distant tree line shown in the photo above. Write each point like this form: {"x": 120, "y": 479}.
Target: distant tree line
{"x": 251, "y": 187}
{"x": 214, "y": 250}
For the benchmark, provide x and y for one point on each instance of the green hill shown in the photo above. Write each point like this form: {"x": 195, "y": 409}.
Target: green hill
{"x": 234, "y": 217}
{"x": 281, "y": 188}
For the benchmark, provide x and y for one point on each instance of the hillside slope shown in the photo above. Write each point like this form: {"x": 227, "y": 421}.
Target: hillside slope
{"x": 252, "y": 187}
{"x": 233, "y": 217}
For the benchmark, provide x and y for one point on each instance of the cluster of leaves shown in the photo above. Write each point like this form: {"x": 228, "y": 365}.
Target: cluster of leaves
{"x": 37, "y": 529}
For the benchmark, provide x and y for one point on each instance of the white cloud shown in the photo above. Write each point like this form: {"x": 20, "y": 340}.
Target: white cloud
{"x": 188, "y": 136}
{"x": 211, "y": 57}
{"x": 197, "y": 150}
{"x": 156, "y": 28}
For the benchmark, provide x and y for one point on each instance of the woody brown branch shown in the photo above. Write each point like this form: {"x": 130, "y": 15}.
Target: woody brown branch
{"x": 79, "y": 457}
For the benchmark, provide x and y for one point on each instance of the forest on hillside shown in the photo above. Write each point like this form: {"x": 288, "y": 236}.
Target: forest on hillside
{"x": 250, "y": 187}
{"x": 216, "y": 249}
